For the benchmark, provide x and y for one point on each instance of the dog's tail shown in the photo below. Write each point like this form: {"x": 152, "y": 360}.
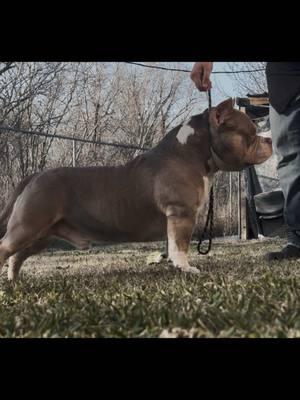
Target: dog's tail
{"x": 6, "y": 213}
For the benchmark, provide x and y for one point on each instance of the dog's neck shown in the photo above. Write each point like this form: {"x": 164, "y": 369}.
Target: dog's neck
{"x": 215, "y": 162}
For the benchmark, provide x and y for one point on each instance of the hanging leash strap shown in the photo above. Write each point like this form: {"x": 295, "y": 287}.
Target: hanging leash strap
{"x": 210, "y": 215}
{"x": 209, "y": 99}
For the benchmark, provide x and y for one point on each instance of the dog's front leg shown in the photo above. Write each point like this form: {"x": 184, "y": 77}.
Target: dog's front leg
{"x": 165, "y": 254}
{"x": 180, "y": 228}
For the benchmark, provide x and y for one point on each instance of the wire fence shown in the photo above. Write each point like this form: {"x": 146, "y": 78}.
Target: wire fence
{"x": 187, "y": 70}
{"x": 4, "y": 128}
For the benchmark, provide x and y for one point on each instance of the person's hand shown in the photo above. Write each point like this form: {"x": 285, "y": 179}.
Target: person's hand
{"x": 200, "y": 75}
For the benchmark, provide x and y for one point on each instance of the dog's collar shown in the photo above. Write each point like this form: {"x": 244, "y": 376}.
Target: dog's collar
{"x": 216, "y": 159}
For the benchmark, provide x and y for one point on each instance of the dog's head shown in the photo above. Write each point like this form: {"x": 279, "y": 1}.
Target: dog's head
{"x": 235, "y": 143}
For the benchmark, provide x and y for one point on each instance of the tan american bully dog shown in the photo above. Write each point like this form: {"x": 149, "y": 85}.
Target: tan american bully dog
{"x": 156, "y": 196}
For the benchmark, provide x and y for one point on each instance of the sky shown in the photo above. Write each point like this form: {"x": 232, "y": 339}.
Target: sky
{"x": 222, "y": 81}
{"x": 222, "y": 84}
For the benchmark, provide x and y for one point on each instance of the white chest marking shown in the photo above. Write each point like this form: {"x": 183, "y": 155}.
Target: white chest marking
{"x": 184, "y": 132}
{"x": 207, "y": 186}
{"x": 204, "y": 197}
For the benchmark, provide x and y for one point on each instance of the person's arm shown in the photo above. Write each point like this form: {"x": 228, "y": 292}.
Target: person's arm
{"x": 200, "y": 75}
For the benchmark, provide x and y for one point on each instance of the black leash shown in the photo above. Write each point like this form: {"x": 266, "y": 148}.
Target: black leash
{"x": 210, "y": 214}
{"x": 210, "y": 222}
{"x": 209, "y": 99}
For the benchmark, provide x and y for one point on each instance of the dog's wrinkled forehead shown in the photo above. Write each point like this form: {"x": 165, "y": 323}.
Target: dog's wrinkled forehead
{"x": 239, "y": 122}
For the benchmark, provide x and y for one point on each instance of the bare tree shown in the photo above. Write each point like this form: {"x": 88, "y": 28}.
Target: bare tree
{"x": 119, "y": 103}
{"x": 113, "y": 102}
{"x": 149, "y": 104}
{"x": 33, "y": 97}
{"x": 248, "y": 82}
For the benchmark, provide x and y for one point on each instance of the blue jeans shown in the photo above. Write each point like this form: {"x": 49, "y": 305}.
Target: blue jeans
{"x": 285, "y": 129}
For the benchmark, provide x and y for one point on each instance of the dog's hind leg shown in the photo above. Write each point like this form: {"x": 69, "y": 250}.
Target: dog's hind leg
{"x": 7, "y": 248}
{"x": 4, "y": 254}
{"x": 20, "y": 239}
{"x": 15, "y": 261}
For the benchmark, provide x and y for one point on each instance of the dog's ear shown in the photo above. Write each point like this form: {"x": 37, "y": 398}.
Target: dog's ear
{"x": 223, "y": 111}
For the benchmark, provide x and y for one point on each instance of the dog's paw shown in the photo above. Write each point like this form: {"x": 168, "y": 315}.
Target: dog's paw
{"x": 189, "y": 270}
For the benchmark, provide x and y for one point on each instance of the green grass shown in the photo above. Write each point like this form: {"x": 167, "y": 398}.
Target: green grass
{"x": 114, "y": 293}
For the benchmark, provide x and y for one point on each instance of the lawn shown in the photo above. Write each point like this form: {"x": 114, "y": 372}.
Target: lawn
{"x": 113, "y": 292}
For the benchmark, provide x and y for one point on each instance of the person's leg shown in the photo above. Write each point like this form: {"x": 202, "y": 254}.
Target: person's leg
{"x": 286, "y": 142}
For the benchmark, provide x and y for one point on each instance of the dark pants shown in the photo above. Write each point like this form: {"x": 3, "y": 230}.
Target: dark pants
{"x": 285, "y": 129}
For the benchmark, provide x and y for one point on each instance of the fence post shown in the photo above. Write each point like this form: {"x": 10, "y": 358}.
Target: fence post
{"x": 74, "y": 153}
{"x": 230, "y": 202}
{"x": 244, "y": 224}
{"x": 242, "y": 202}
{"x": 239, "y": 204}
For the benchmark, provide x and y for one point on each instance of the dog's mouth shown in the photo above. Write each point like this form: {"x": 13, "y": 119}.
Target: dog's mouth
{"x": 265, "y": 139}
